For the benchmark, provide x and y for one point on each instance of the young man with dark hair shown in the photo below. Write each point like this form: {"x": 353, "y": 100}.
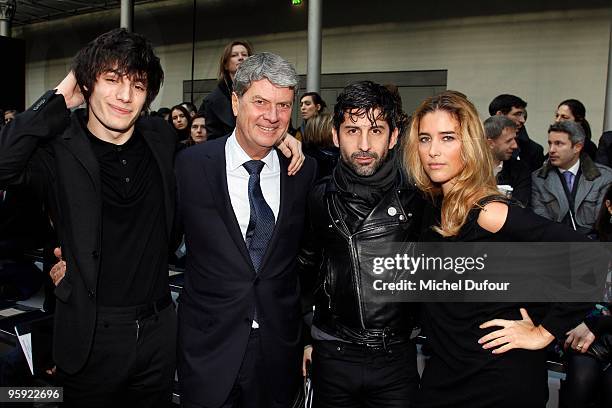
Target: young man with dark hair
{"x": 363, "y": 355}
{"x": 514, "y": 108}
{"x": 108, "y": 182}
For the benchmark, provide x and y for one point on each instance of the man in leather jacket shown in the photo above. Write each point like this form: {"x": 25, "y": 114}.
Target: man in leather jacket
{"x": 362, "y": 355}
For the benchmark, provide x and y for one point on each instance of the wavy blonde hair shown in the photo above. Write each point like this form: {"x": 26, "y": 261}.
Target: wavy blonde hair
{"x": 475, "y": 182}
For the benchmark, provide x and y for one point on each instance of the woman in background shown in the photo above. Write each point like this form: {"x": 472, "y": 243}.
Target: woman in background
{"x": 217, "y": 106}
{"x": 181, "y": 122}
{"x": 573, "y": 110}
{"x": 483, "y": 354}
{"x": 198, "y": 130}
{"x": 311, "y": 104}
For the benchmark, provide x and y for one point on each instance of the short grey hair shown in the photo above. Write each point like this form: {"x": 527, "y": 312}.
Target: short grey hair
{"x": 573, "y": 130}
{"x": 265, "y": 65}
{"x": 495, "y": 125}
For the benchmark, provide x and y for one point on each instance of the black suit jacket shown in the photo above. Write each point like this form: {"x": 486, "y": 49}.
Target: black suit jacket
{"x": 530, "y": 152}
{"x": 221, "y": 286}
{"x": 217, "y": 109}
{"x": 515, "y": 173}
{"x": 47, "y": 148}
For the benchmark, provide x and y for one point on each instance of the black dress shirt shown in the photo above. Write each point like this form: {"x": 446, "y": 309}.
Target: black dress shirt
{"x": 134, "y": 254}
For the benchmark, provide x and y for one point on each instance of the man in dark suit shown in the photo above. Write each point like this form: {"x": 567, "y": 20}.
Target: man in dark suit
{"x": 107, "y": 177}
{"x": 501, "y": 138}
{"x": 239, "y": 314}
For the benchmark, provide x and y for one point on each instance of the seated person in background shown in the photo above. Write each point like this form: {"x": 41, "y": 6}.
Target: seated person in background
{"x": 501, "y": 138}
{"x": 319, "y": 144}
{"x": 180, "y": 119}
{"x": 588, "y": 368}
{"x": 197, "y": 132}
{"x": 604, "y": 150}
{"x": 514, "y": 108}
{"x": 198, "y": 129}
{"x": 569, "y": 188}
{"x": 574, "y": 111}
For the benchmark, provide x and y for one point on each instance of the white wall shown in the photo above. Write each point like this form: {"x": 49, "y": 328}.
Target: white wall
{"x": 541, "y": 57}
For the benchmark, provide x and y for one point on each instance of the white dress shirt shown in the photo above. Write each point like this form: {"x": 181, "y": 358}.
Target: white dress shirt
{"x": 238, "y": 181}
{"x": 573, "y": 169}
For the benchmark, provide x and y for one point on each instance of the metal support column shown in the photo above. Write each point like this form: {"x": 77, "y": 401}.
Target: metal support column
{"x": 607, "y": 125}
{"x": 127, "y": 15}
{"x": 7, "y": 12}
{"x": 313, "y": 79}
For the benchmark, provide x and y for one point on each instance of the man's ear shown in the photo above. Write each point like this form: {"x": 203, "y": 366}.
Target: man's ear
{"x": 578, "y": 147}
{"x": 235, "y": 103}
{"x": 393, "y": 138}
{"x": 335, "y": 137}
{"x": 490, "y": 143}
{"x": 499, "y": 113}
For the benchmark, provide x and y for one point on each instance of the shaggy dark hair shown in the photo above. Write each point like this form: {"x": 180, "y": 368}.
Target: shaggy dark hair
{"x": 121, "y": 52}
{"x": 365, "y": 97}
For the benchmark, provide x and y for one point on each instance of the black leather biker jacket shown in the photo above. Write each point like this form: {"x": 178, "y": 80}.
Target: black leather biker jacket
{"x": 338, "y": 258}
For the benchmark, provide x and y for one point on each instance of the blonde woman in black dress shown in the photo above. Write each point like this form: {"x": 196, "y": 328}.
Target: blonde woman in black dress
{"x": 483, "y": 354}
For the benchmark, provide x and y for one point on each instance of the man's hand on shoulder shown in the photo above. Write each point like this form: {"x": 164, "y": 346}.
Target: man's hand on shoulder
{"x": 291, "y": 147}
{"x": 71, "y": 91}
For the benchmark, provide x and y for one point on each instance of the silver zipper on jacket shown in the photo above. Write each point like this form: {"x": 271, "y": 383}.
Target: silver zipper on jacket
{"x": 354, "y": 254}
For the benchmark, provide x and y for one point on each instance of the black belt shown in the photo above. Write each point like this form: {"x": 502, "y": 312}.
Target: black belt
{"x": 374, "y": 338}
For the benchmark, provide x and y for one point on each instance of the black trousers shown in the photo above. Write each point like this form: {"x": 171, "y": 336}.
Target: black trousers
{"x": 131, "y": 363}
{"x": 346, "y": 375}
{"x": 251, "y": 385}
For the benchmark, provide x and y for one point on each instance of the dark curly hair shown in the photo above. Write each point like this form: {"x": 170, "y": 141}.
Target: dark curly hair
{"x": 124, "y": 53}
{"x": 364, "y": 97}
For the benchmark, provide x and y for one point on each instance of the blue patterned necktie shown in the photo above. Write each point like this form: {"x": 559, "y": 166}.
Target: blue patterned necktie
{"x": 569, "y": 179}
{"x": 261, "y": 222}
